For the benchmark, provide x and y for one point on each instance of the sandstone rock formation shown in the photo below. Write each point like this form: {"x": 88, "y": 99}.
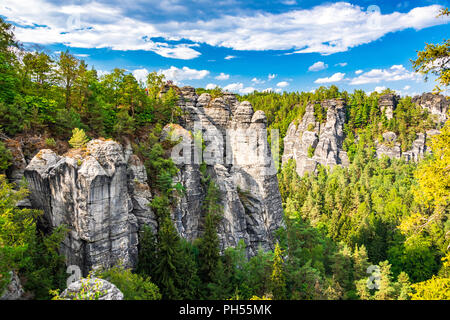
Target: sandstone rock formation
{"x": 92, "y": 289}
{"x": 387, "y": 104}
{"x": 100, "y": 194}
{"x": 436, "y": 104}
{"x": 13, "y": 290}
{"x": 238, "y": 159}
{"x": 311, "y": 143}
{"x": 391, "y": 148}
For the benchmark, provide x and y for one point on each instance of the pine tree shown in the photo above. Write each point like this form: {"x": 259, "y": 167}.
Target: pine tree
{"x": 147, "y": 259}
{"x": 209, "y": 243}
{"x": 166, "y": 273}
{"x": 79, "y": 138}
{"x": 278, "y": 279}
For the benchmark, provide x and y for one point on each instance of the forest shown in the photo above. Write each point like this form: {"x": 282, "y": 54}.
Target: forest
{"x": 377, "y": 212}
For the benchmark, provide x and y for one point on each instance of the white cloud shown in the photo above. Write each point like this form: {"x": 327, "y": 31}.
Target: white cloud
{"x": 341, "y": 64}
{"x": 271, "y": 76}
{"x": 279, "y": 90}
{"x": 101, "y": 73}
{"x": 234, "y": 87}
{"x": 379, "y": 89}
{"x": 211, "y": 86}
{"x": 247, "y": 90}
{"x": 82, "y": 55}
{"x": 319, "y": 65}
{"x": 359, "y": 71}
{"x": 394, "y": 73}
{"x": 334, "y": 78}
{"x": 257, "y": 81}
{"x": 223, "y": 76}
{"x": 325, "y": 29}
{"x": 141, "y": 75}
{"x": 230, "y": 57}
{"x": 238, "y": 87}
{"x": 282, "y": 84}
{"x": 91, "y": 25}
{"x": 185, "y": 73}
{"x": 406, "y": 88}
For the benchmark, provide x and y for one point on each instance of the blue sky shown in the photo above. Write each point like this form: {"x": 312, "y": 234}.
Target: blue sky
{"x": 291, "y": 45}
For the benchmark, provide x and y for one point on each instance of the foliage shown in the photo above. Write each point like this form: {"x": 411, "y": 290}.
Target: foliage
{"x": 434, "y": 59}
{"x": 5, "y": 157}
{"x": 133, "y": 286}
{"x": 23, "y": 249}
{"x": 79, "y": 138}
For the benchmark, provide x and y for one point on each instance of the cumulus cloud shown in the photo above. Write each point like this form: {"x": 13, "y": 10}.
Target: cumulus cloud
{"x": 282, "y": 84}
{"x": 223, "y": 76}
{"x": 90, "y": 25}
{"x": 394, "y": 73}
{"x": 271, "y": 76}
{"x": 257, "y": 81}
{"x": 230, "y": 57}
{"x": 238, "y": 87}
{"x": 141, "y": 74}
{"x": 185, "y": 73}
{"x": 247, "y": 90}
{"x": 211, "y": 86}
{"x": 379, "y": 89}
{"x": 319, "y": 65}
{"x": 341, "y": 64}
{"x": 326, "y": 29}
{"x": 359, "y": 71}
{"x": 337, "y": 77}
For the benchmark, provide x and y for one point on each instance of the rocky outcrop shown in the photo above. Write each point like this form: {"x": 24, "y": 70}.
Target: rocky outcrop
{"x": 387, "y": 104}
{"x": 311, "y": 143}
{"x": 13, "y": 290}
{"x": 91, "y": 289}
{"x": 391, "y": 148}
{"x": 100, "y": 194}
{"x": 238, "y": 159}
{"x": 436, "y": 104}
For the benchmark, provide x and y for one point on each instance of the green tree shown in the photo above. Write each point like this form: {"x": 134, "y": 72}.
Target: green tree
{"x": 79, "y": 138}
{"x": 434, "y": 59}
{"x": 133, "y": 286}
{"x": 209, "y": 242}
{"x": 278, "y": 277}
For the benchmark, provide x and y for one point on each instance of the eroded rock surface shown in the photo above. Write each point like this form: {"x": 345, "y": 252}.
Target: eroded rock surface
{"x": 92, "y": 289}
{"x": 13, "y": 290}
{"x": 100, "y": 194}
{"x": 436, "y": 104}
{"x": 311, "y": 143}
{"x": 238, "y": 159}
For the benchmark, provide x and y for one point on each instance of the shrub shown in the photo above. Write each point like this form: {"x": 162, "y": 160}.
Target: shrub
{"x": 5, "y": 157}
{"x": 79, "y": 138}
{"x": 133, "y": 286}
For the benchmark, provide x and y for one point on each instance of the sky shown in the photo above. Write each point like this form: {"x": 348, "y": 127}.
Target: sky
{"x": 241, "y": 45}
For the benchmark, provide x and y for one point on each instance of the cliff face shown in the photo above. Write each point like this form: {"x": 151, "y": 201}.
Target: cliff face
{"x": 436, "y": 104}
{"x": 89, "y": 192}
{"x": 101, "y": 192}
{"x": 238, "y": 159}
{"x": 311, "y": 143}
